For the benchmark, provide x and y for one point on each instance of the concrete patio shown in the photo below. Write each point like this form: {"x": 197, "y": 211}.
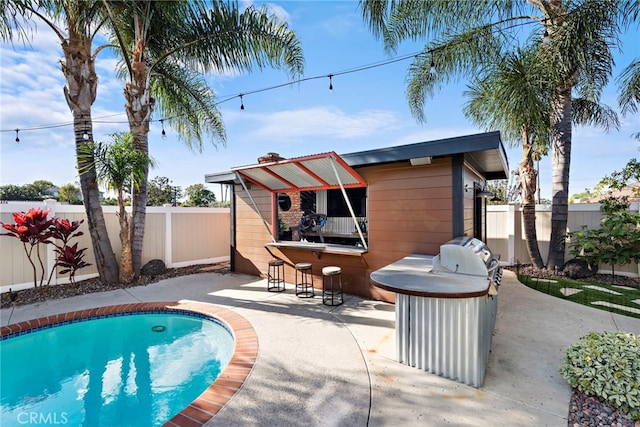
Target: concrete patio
{"x": 335, "y": 366}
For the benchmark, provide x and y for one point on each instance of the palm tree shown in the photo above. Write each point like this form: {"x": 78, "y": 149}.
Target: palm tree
{"x": 75, "y": 23}
{"x": 464, "y": 37}
{"x": 165, "y": 48}
{"x": 119, "y": 166}
{"x": 513, "y": 96}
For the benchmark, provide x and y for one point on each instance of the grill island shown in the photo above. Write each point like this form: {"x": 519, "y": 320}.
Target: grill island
{"x": 445, "y": 308}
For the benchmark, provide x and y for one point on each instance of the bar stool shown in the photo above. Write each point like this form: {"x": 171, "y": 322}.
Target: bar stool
{"x": 275, "y": 276}
{"x": 332, "y": 292}
{"x": 304, "y": 286}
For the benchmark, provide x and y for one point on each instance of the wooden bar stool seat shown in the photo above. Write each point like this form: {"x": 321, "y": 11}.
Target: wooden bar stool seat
{"x": 332, "y": 286}
{"x": 275, "y": 276}
{"x": 304, "y": 280}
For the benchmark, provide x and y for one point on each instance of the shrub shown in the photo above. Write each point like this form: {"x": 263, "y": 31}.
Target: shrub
{"x": 607, "y": 366}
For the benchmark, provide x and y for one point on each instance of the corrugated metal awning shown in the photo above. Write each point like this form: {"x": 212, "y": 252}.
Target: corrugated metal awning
{"x": 324, "y": 171}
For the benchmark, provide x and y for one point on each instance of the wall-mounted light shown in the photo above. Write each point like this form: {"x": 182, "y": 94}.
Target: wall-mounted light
{"x": 480, "y": 190}
{"x": 419, "y": 161}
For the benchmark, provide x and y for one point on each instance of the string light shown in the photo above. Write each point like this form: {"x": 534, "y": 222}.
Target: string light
{"x": 85, "y": 135}
{"x": 432, "y": 71}
{"x": 546, "y": 40}
{"x": 164, "y": 134}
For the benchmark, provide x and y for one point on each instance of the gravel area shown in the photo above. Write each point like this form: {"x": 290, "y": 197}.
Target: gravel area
{"x": 587, "y": 411}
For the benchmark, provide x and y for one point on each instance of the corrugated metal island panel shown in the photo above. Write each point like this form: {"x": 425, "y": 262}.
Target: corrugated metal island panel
{"x": 450, "y": 337}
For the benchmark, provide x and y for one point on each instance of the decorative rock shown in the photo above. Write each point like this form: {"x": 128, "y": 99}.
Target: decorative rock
{"x": 578, "y": 269}
{"x": 153, "y": 268}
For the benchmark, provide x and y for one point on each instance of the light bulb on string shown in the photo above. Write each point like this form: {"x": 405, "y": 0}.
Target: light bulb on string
{"x": 330, "y": 81}
{"x": 85, "y": 135}
{"x": 241, "y": 103}
{"x": 546, "y": 40}
{"x": 164, "y": 134}
{"x": 17, "y": 137}
{"x": 432, "y": 70}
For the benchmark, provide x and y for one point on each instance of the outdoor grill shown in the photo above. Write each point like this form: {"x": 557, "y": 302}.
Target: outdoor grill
{"x": 446, "y": 307}
{"x": 468, "y": 255}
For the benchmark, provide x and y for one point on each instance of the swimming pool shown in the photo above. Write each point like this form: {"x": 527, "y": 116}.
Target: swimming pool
{"x": 124, "y": 366}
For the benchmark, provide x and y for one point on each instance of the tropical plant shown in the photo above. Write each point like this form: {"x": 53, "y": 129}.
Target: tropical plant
{"x": 35, "y": 227}
{"x": 464, "y": 37}
{"x": 70, "y": 258}
{"x": 119, "y": 166}
{"x": 616, "y": 242}
{"x": 164, "y": 47}
{"x": 513, "y": 96}
{"x": 76, "y": 24}
{"x": 606, "y": 365}
{"x": 31, "y": 228}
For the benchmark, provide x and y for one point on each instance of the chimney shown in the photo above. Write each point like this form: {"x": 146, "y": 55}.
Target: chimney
{"x": 270, "y": 157}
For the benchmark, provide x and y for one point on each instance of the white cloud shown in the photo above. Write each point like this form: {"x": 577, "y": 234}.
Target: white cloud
{"x": 297, "y": 125}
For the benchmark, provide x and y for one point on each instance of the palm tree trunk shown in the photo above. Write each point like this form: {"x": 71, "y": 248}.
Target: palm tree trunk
{"x": 126, "y": 268}
{"x": 106, "y": 262}
{"x": 139, "y": 108}
{"x": 528, "y": 185}
{"x": 560, "y": 162}
{"x": 80, "y": 93}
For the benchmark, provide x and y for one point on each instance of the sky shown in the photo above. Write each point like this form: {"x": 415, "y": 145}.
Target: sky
{"x": 365, "y": 110}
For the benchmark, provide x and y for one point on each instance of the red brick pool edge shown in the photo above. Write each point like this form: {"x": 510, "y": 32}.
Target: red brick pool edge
{"x": 231, "y": 379}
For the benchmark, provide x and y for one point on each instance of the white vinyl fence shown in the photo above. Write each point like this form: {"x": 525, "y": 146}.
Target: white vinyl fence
{"x": 187, "y": 236}
{"x": 178, "y": 236}
{"x": 505, "y": 232}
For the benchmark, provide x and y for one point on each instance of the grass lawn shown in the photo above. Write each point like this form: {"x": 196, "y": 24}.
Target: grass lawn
{"x": 615, "y": 298}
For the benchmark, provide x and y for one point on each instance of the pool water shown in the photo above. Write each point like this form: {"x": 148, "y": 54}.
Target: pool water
{"x": 126, "y": 370}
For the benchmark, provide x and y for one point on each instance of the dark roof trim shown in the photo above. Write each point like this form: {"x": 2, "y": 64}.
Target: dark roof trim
{"x": 484, "y": 151}
{"x": 442, "y": 147}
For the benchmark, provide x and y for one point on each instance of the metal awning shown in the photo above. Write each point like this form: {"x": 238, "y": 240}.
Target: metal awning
{"x": 324, "y": 171}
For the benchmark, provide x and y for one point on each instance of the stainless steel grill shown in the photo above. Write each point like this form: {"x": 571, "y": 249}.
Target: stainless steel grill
{"x": 461, "y": 255}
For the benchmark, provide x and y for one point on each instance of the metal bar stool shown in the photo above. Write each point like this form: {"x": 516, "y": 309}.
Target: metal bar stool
{"x": 332, "y": 292}
{"x": 275, "y": 276}
{"x": 304, "y": 286}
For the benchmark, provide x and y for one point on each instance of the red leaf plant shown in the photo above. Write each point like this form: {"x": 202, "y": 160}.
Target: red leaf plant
{"x": 31, "y": 228}
{"x": 70, "y": 259}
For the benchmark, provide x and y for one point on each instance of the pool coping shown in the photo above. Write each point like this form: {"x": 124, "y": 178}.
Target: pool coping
{"x": 228, "y": 383}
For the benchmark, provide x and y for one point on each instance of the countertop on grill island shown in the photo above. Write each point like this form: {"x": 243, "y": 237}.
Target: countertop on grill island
{"x": 414, "y": 275}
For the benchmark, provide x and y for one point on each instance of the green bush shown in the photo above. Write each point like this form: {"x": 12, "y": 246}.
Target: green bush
{"x": 607, "y": 366}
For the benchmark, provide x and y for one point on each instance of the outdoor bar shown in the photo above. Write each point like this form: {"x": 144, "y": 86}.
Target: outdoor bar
{"x": 358, "y": 212}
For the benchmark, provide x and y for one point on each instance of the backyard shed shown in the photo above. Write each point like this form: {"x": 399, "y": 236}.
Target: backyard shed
{"x": 360, "y": 211}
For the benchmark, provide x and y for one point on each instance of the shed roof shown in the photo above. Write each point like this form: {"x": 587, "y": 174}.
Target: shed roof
{"x": 483, "y": 151}
{"x": 316, "y": 172}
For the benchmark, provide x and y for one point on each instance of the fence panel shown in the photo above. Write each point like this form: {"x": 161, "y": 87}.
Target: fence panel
{"x": 179, "y": 236}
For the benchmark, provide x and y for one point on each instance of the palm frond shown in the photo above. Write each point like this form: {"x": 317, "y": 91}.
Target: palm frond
{"x": 629, "y": 86}
{"x": 184, "y": 98}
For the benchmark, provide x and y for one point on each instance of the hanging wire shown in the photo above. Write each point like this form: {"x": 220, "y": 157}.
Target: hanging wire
{"x": 241, "y": 95}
